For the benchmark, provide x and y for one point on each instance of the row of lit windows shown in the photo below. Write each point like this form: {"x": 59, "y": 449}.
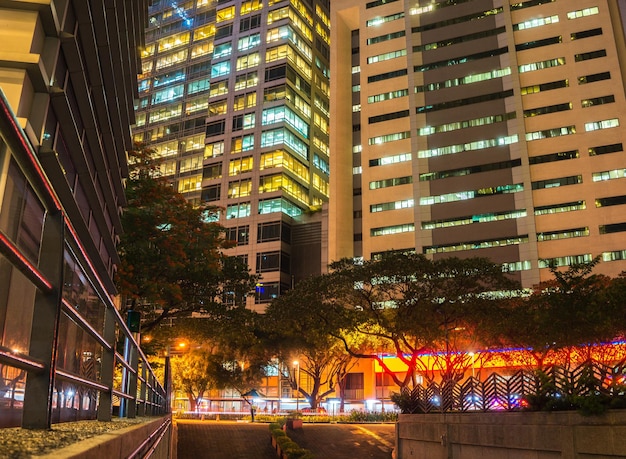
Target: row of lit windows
{"x": 283, "y": 113}
{"x": 288, "y": 12}
{"x": 280, "y": 158}
{"x": 479, "y": 218}
{"x": 608, "y": 175}
{"x": 604, "y": 124}
{"x": 240, "y": 188}
{"x": 396, "y": 205}
{"x": 321, "y": 144}
{"x": 286, "y": 92}
{"x": 280, "y": 33}
{"x": 469, "y": 79}
{"x": 284, "y": 136}
{"x": 387, "y": 96}
{"x": 536, "y": 22}
{"x": 386, "y": 183}
{"x": 389, "y": 138}
{"x": 465, "y": 195}
{"x": 474, "y": 245}
{"x": 240, "y": 165}
{"x": 559, "y": 208}
{"x": 471, "y": 146}
{"x": 562, "y": 234}
{"x": 381, "y": 20}
{"x": 281, "y": 182}
{"x": 485, "y": 120}
{"x": 394, "y": 159}
{"x": 395, "y": 229}
{"x": 386, "y": 56}
{"x": 531, "y": 67}
{"x": 550, "y": 133}
{"x": 269, "y": 206}
{"x": 190, "y": 184}
{"x": 565, "y": 261}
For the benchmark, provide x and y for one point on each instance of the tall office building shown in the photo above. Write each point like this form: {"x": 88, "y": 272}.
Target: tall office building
{"x": 235, "y": 97}
{"x": 489, "y": 128}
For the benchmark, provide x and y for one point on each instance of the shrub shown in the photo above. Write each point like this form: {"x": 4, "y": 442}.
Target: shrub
{"x": 371, "y": 416}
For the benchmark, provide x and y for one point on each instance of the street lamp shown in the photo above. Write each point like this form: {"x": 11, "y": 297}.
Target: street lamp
{"x": 473, "y": 356}
{"x": 297, "y": 375}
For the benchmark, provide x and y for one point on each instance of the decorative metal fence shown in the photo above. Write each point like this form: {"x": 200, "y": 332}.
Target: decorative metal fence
{"x": 518, "y": 391}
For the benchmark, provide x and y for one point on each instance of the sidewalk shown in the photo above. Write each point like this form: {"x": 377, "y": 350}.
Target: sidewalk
{"x": 242, "y": 440}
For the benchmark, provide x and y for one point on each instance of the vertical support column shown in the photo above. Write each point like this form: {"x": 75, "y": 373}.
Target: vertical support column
{"x": 105, "y": 407}
{"x": 132, "y": 383}
{"x": 37, "y": 412}
{"x": 141, "y": 411}
{"x": 167, "y": 384}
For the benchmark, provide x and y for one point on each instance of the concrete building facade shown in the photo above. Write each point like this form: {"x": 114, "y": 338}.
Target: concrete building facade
{"x": 235, "y": 97}
{"x": 483, "y": 128}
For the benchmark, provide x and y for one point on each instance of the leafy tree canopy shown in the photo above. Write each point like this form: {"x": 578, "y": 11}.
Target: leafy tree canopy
{"x": 172, "y": 260}
{"x": 411, "y": 305}
{"x": 296, "y": 326}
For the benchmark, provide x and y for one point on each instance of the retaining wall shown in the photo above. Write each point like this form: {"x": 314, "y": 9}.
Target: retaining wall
{"x": 518, "y": 435}
{"x": 122, "y": 443}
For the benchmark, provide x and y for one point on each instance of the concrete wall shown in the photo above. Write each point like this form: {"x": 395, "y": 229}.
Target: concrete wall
{"x": 565, "y": 435}
{"x": 119, "y": 444}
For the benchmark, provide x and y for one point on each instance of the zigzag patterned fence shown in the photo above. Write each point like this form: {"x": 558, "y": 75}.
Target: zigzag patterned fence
{"x": 509, "y": 393}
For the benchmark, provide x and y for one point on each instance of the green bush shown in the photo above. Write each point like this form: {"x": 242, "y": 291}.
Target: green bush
{"x": 370, "y": 416}
{"x": 291, "y": 449}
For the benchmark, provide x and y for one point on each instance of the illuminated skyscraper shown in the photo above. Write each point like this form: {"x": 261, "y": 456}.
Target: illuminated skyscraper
{"x": 235, "y": 94}
{"x": 479, "y": 128}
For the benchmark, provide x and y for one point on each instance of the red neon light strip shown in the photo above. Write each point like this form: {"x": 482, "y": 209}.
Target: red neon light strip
{"x": 15, "y": 252}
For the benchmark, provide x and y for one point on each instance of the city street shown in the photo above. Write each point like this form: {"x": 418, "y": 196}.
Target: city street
{"x": 241, "y": 440}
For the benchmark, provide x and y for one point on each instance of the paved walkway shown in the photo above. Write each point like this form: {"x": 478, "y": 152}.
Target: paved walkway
{"x": 241, "y": 440}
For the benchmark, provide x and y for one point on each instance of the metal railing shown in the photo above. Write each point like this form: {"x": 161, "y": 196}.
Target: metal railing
{"x": 66, "y": 354}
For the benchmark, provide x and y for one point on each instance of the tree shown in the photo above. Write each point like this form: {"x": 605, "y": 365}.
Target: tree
{"x": 296, "y": 328}
{"x": 565, "y": 316}
{"x": 412, "y": 306}
{"x": 233, "y": 356}
{"x": 191, "y": 374}
{"x": 172, "y": 260}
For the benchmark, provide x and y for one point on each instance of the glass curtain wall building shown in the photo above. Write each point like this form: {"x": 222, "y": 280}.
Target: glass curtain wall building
{"x": 489, "y": 128}
{"x": 235, "y": 94}
{"x": 68, "y": 78}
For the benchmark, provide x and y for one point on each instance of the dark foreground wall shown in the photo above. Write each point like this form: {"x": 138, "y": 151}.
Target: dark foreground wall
{"x": 562, "y": 435}
{"x": 152, "y": 439}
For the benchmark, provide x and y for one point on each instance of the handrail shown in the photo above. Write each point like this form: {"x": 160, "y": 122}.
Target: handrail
{"x": 151, "y": 440}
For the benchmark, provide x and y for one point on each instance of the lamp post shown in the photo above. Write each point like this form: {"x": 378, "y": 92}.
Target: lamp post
{"x": 473, "y": 356}
{"x": 297, "y": 375}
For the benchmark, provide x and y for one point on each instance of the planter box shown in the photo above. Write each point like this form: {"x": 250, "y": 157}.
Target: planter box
{"x": 294, "y": 424}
